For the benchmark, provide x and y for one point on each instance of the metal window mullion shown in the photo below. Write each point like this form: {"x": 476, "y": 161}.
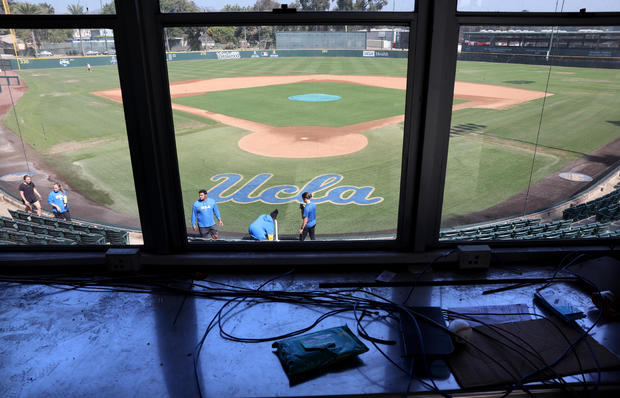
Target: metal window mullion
{"x": 148, "y": 115}
{"x": 416, "y": 87}
{"x": 540, "y": 19}
{"x": 403, "y": 19}
{"x": 20, "y": 21}
{"x": 299, "y": 18}
{"x": 436, "y": 124}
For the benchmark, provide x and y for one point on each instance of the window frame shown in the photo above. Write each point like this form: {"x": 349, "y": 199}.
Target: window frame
{"x": 142, "y": 67}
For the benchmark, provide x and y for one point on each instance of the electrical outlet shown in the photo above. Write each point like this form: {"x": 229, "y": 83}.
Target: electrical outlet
{"x": 474, "y": 256}
{"x": 123, "y": 260}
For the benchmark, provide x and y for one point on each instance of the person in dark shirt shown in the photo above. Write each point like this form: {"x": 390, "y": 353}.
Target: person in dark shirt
{"x": 30, "y": 195}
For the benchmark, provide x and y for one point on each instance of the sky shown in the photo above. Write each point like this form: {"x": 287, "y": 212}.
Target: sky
{"x": 404, "y": 5}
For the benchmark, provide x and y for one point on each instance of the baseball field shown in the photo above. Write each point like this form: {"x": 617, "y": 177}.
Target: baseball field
{"x": 239, "y": 135}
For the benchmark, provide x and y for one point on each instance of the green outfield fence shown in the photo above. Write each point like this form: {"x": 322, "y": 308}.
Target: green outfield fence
{"x": 101, "y": 60}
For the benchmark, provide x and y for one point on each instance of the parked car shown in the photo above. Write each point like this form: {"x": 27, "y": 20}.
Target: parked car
{"x": 45, "y": 53}
{"x": 92, "y": 52}
{"x": 110, "y": 52}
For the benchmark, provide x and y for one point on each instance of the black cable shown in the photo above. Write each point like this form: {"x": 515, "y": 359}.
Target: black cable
{"x": 532, "y": 351}
{"x": 372, "y": 341}
{"x": 542, "y": 112}
{"x": 467, "y": 316}
{"x": 564, "y": 353}
{"x": 424, "y": 271}
{"x": 198, "y": 348}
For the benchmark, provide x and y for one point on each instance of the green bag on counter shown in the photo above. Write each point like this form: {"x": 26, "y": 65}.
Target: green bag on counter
{"x": 313, "y": 351}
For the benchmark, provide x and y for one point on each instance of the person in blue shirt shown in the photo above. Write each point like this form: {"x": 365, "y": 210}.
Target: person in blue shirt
{"x": 264, "y": 226}
{"x": 309, "y": 217}
{"x": 202, "y": 215}
{"x": 57, "y": 199}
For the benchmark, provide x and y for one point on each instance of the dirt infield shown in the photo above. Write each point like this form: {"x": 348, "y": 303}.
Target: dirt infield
{"x": 313, "y": 141}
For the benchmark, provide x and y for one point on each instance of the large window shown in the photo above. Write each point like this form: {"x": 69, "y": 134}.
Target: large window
{"x": 66, "y": 171}
{"x": 52, "y": 7}
{"x": 169, "y": 6}
{"x": 136, "y": 106}
{"x": 538, "y": 5}
{"x": 534, "y": 142}
{"x": 266, "y": 113}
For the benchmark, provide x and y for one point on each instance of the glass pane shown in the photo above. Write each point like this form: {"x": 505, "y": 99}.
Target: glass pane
{"x": 58, "y": 7}
{"x": 538, "y": 5}
{"x": 270, "y": 112}
{"x": 180, "y": 6}
{"x": 63, "y": 127}
{"x": 535, "y": 135}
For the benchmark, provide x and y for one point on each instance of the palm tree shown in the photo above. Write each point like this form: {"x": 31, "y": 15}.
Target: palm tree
{"x": 47, "y": 8}
{"x": 76, "y": 9}
{"x": 29, "y": 9}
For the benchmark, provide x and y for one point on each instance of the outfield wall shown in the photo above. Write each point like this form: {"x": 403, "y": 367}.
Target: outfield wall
{"x": 65, "y": 62}
{"x": 320, "y": 40}
{"x": 536, "y": 56}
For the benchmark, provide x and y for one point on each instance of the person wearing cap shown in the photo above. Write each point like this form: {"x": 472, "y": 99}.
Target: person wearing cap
{"x": 308, "y": 216}
{"x": 264, "y": 226}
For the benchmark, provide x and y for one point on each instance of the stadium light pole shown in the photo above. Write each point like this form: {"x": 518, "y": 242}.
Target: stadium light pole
{"x": 105, "y": 35}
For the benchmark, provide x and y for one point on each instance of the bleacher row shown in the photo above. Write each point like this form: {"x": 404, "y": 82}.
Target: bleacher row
{"x": 606, "y": 208}
{"x": 30, "y": 229}
{"x": 530, "y": 229}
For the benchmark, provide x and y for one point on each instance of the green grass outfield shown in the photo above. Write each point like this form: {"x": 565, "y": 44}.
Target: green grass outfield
{"x": 483, "y": 170}
{"x": 270, "y": 104}
{"x": 580, "y": 117}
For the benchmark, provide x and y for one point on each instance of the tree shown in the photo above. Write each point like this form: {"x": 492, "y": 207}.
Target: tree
{"x": 223, "y": 35}
{"x": 109, "y": 8}
{"x": 315, "y": 5}
{"x": 191, "y": 34}
{"x": 360, "y": 5}
{"x": 51, "y": 35}
{"x": 234, "y": 8}
{"x": 178, "y": 6}
{"x": 47, "y": 8}
{"x": 30, "y": 9}
{"x": 265, "y": 5}
{"x": 76, "y": 9}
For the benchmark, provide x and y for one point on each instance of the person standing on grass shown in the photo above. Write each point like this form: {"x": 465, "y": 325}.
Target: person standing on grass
{"x": 203, "y": 211}
{"x": 88, "y": 67}
{"x": 30, "y": 195}
{"x": 309, "y": 217}
{"x": 58, "y": 200}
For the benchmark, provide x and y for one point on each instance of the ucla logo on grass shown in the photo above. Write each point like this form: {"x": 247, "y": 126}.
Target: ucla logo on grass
{"x": 324, "y": 188}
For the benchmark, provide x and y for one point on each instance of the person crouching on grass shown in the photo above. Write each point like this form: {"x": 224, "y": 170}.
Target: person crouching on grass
{"x": 203, "y": 211}
{"x": 57, "y": 199}
{"x": 30, "y": 195}
{"x": 263, "y": 227}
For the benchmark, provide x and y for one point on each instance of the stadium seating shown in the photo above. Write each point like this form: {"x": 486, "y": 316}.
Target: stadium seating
{"x": 27, "y": 228}
{"x": 116, "y": 236}
{"x": 529, "y": 229}
{"x": 594, "y": 207}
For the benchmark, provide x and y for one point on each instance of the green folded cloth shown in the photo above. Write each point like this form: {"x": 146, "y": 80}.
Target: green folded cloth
{"x": 313, "y": 351}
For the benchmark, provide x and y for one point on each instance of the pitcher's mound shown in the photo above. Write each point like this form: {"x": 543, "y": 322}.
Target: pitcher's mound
{"x": 303, "y": 142}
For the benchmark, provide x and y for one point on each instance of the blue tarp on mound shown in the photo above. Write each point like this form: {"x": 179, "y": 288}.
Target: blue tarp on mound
{"x": 314, "y": 97}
